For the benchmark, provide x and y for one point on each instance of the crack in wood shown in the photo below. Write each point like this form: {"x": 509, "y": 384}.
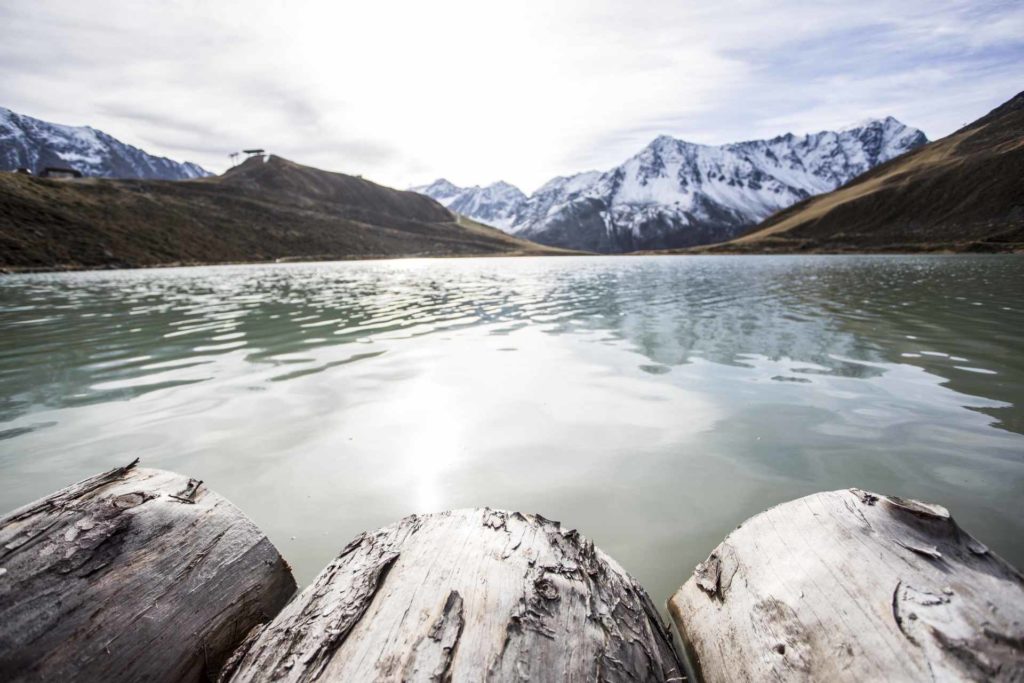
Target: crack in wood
{"x": 471, "y": 595}
{"x": 188, "y": 494}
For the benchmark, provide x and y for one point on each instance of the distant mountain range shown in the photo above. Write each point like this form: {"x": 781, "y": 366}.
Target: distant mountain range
{"x": 675, "y": 193}
{"x": 265, "y": 209}
{"x": 896, "y": 193}
{"x": 498, "y": 204}
{"x": 30, "y": 143}
{"x": 964, "y": 192}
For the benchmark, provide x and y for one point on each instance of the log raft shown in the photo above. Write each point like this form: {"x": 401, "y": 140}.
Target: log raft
{"x": 132, "y": 575}
{"x": 851, "y": 585}
{"x": 469, "y": 595}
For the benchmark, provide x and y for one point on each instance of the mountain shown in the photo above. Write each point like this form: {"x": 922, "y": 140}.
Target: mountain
{"x": 961, "y": 193}
{"x": 675, "y": 193}
{"x": 265, "y": 209}
{"x": 495, "y": 204}
{"x": 26, "y": 142}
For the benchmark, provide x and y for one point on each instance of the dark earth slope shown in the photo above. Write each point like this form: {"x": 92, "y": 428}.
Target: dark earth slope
{"x": 258, "y": 211}
{"x": 964, "y": 192}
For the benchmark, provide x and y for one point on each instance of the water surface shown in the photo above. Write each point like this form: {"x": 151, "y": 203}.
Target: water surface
{"x": 652, "y": 402}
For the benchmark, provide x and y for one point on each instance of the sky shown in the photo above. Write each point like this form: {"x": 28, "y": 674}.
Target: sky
{"x": 478, "y": 91}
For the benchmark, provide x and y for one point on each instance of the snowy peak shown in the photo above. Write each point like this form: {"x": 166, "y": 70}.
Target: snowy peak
{"x": 870, "y": 122}
{"x": 26, "y": 142}
{"x": 440, "y": 189}
{"x": 678, "y": 193}
{"x": 494, "y": 204}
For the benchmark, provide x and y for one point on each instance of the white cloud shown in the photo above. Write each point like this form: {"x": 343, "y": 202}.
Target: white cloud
{"x": 403, "y": 92}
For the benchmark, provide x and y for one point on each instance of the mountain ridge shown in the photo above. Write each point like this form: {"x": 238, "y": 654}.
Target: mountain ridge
{"x": 493, "y": 204}
{"x": 28, "y": 142}
{"x": 678, "y": 193}
{"x": 959, "y": 193}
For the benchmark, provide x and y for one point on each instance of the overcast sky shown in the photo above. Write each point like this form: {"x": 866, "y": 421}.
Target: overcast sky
{"x": 477, "y": 91}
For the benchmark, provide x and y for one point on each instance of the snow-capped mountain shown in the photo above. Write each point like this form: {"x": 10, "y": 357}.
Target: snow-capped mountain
{"x": 675, "y": 193}
{"x": 26, "y": 142}
{"x": 495, "y": 204}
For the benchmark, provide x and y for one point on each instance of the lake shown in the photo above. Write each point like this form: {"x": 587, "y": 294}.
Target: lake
{"x": 654, "y": 403}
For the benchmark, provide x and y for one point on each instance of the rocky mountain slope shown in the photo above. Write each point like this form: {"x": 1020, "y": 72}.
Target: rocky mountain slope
{"x": 675, "y": 193}
{"x": 30, "y": 143}
{"x": 261, "y": 210}
{"x": 961, "y": 193}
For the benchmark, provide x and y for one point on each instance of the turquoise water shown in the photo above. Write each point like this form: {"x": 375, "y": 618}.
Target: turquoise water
{"x": 652, "y": 402}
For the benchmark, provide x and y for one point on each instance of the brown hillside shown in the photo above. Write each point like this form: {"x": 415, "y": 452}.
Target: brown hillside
{"x": 258, "y": 211}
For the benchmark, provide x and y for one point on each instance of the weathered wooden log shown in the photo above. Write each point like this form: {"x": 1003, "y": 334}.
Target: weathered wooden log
{"x": 853, "y": 586}
{"x": 469, "y": 595}
{"x": 132, "y": 575}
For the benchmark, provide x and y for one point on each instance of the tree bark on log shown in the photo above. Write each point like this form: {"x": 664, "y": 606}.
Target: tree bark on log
{"x": 851, "y": 585}
{"x": 468, "y": 595}
{"x": 132, "y": 575}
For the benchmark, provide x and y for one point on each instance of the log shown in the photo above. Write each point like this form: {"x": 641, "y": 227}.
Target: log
{"x": 132, "y": 575}
{"x": 468, "y": 595}
{"x": 853, "y": 586}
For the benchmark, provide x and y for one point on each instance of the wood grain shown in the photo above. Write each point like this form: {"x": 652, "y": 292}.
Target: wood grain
{"x": 469, "y": 595}
{"x": 132, "y": 575}
{"x": 851, "y": 585}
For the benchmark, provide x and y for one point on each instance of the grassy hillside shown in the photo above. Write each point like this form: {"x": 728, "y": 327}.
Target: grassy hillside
{"x": 961, "y": 193}
{"x": 258, "y": 211}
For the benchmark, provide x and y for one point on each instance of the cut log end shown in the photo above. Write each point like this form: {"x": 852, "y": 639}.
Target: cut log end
{"x": 852, "y": 585}
{"x": 466, "y": 595}
{"x": 134, "y": 574}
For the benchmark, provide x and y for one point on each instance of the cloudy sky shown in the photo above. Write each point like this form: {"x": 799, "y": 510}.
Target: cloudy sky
{"x": 477, "y": 91}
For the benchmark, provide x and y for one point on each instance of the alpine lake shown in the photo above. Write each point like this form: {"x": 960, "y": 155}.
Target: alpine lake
{"x": 652, "y": 402}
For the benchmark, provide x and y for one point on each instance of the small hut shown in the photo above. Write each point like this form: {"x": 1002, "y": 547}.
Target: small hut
{"x": 60, "y": 173}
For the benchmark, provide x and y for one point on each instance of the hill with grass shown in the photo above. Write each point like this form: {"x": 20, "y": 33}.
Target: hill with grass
{"x": 265, "y": 209}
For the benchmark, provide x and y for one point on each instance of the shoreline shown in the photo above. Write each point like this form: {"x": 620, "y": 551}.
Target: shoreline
{"x": 75, "y": 268}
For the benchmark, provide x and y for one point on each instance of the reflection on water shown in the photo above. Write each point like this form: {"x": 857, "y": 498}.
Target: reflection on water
{"x": 653, "y": 402}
